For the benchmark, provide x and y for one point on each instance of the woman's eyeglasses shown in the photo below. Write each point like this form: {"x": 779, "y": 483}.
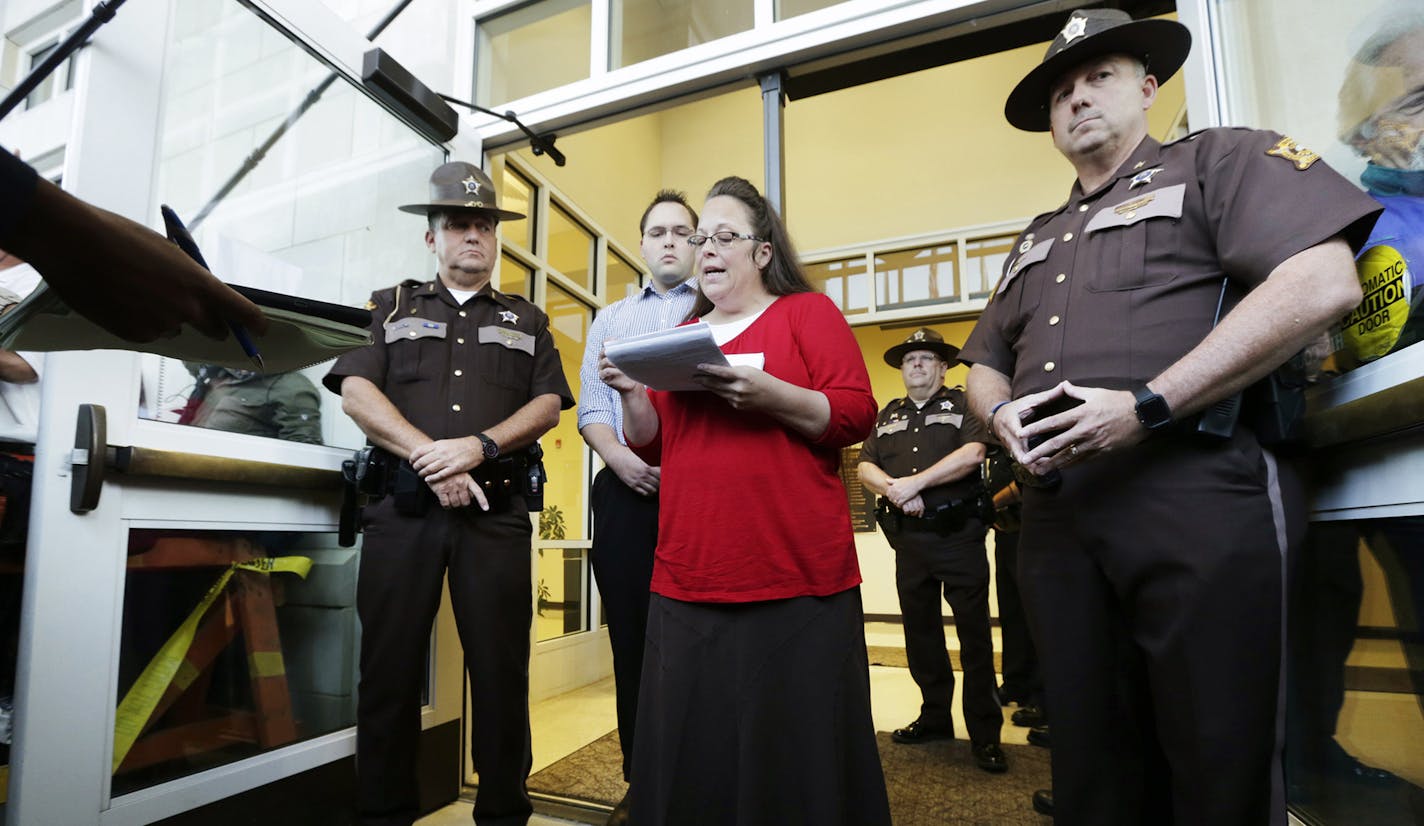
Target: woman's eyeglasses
{"x": 724, "y": 238}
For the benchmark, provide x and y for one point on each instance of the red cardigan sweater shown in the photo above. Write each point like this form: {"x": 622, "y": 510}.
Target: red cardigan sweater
{"x": 750, "y": 510}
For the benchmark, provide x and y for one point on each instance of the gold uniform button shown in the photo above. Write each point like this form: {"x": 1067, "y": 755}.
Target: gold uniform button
{"x": 455, "y": 407}
{"x": 463, "y": 314}
{"x": 915, "y": 449}
{"x": 411, "y": 334}
{"x": 1082, "y": 207}
{"x": 1067, "y": 236}
{"x": 1048, "y": 367}
{"x": 1062, "y": 276}
{"x": 1052, "y": 322}
{"x": 1128, "y": 216}
{"x": 459, "y": 341}
{"x": 459, "y": 372}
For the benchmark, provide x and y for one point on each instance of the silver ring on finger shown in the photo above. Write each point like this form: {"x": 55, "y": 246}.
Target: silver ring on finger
{"x": 1072, "y": 450}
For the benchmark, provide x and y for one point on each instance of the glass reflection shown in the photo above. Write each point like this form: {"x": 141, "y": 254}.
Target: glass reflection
{"x": 232, "y": 644}
{"x": 1355, "y": 705}
{"x": 313, "y": 215}
{"x": 276, "y": 405}
{"x": 1381, "y": 117}
{"x": 917, "y": 276}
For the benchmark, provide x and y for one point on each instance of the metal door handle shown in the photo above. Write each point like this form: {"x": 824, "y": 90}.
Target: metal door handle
{"x": 93, "y": 456}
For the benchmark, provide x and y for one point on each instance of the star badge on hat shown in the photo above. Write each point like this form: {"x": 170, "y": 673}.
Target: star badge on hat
{"x": 1143, "y": 178}
{"x": 1076, "y": 28}
{"x": 508, "y": 317}
{"x": 472, "y": 186}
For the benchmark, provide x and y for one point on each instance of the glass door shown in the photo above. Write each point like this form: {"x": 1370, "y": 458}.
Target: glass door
{"x": 193, "y": 635}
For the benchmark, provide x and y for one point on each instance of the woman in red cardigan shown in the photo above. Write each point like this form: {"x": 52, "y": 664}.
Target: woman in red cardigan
{"x": 755, "y": 699}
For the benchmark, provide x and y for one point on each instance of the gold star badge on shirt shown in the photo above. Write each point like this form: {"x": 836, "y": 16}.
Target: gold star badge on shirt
{"x": 1291, "y": 150}
{"x": 508, "y": 317}
{"x": 946, "y": 405}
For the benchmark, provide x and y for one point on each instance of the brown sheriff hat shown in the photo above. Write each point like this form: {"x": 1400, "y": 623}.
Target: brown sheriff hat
{"x": 1162, "y": 45}
{"x": 921, "y": 339}
{"x": 460, "y": 185}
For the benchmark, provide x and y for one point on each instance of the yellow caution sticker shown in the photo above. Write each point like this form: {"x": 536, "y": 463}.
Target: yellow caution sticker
{"x": 143, "y": 696}
{"x": 1373, "y": 327}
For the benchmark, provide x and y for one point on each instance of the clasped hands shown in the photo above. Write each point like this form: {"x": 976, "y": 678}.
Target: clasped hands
{"x": 444, "y": 464}
{"x": 1105, "y": 420}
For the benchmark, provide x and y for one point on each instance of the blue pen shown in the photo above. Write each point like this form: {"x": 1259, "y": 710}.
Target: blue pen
{"x": 178, "y": 234}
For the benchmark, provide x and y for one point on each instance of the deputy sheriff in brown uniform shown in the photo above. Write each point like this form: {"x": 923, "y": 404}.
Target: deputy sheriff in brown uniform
{"x": 460, "y": 382}
{"x": 1153, "y": 572}
{"x": 923, "y": 462}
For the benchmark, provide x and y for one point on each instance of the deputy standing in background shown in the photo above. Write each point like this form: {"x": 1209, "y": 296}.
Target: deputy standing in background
{"x": 923, "y": 462}
{"x": 459, "y": 383}
{"x": 1153, "y": 570}
{"x": 625, "y": 492}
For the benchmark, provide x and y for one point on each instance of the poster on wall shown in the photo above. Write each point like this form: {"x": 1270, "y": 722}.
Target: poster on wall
{"x": 862, "y": 504}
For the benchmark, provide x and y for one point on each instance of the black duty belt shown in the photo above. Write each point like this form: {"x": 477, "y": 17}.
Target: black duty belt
{"x": 944, "y": 520}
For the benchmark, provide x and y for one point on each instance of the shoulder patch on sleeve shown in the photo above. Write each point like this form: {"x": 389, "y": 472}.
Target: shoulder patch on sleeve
{"x": 1291, "y": 150}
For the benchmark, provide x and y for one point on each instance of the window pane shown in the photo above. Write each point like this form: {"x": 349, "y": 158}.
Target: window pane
{"x": 913, "y": 277}
{"x": 643, "y": 29}
{"x": 791, "y": 8}
{"x": 515, "y": 277}
{"x": 984, "y": 263}
{"x": 316, "y": 216}
{"x": 517, "y": 193}
{"x": 532, "y": 49}
{"x": 60, "y": 80}
{"x": 571, "y": 247}
{"x": 623, "y": 278}
{"x": 845, "y": 281}
{"x": 562, "y": 572}
{"x": 269, "y": 660}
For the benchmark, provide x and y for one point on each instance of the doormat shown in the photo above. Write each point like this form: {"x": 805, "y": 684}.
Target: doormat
{"x": 894, "y": 656}
{"x": 931, "y": 784}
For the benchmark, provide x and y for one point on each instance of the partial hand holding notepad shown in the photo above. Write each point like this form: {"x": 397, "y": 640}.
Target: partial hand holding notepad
{"x": 666, "y": 359}
{"x": 300, "y": 332}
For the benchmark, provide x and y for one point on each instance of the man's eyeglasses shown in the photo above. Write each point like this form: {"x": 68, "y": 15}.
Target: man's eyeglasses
{"x": 724, "y": 238}
{"x": 659, "y": 233}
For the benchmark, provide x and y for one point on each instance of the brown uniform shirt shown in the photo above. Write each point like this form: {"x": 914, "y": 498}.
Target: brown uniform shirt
{"x": 907, "y": 439}
{"x": 455, "y": 370}
{"x": 1116, "y": 285}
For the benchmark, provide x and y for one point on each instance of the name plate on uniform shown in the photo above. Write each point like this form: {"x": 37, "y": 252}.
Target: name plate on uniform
{"x": 893, "y": 427}
{"x": 511, "y": 339}
{"x": 1159, "y": 203}
{"x": 412, "y": 327}
{"x": 945, "y": 418}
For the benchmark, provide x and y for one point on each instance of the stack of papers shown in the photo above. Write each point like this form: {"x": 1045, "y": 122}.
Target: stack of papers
{"x": 667, "y": 359}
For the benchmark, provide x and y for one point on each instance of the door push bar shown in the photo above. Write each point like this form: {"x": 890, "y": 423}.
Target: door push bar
{"x": 93, "y": 457}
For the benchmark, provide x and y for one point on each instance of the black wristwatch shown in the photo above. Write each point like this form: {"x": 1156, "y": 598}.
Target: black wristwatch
{"x": 492, "y": 449}
{"x": 1152, "y": 409}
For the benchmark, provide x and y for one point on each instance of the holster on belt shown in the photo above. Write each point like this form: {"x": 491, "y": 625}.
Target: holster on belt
{"x": 942, "y": 516}
{"x": 364, "y": 477}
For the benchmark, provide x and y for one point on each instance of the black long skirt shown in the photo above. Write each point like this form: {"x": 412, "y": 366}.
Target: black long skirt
{"x": 757, "y": 713}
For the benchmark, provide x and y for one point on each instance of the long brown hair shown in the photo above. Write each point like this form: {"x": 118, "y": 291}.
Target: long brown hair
{"x": 783, "y": 275}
